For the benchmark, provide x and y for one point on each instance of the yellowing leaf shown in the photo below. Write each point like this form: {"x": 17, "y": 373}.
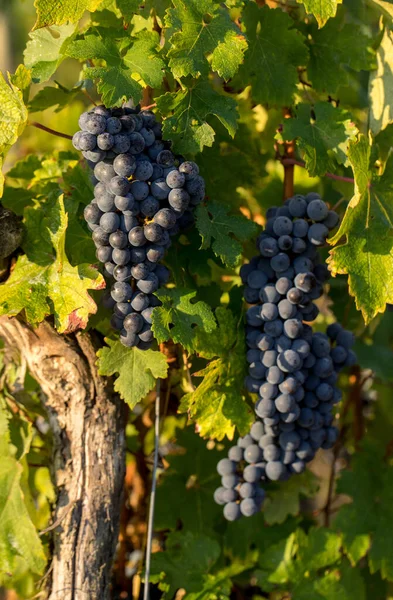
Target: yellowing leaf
{"x": 57, "y": 12}
{"x": 380, "y": 87}
{"x": 13, "y": 118}
{"x": 321, "y": 9}
{"x": 366, "y": 255}
{"x": 137, "y": 369}
{"x": 18, "y": 536}
{"x": 43, "y": 281}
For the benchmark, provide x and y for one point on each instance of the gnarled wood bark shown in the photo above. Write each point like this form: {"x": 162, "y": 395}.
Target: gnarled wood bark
{"x": 87, "y": 420}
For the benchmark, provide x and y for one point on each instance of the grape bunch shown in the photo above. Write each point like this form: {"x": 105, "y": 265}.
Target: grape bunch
{"x": 143, "y": 196}
{"x": 293, "y": 370}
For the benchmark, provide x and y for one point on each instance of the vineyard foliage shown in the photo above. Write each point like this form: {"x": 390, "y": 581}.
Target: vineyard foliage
{"x": 250, "y": 90}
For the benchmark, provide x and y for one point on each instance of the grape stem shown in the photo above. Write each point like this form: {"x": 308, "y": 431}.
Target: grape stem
{"x": 149, "y": 106}
{"x": 49, "y": 130}
{"x": 301, "y": 163}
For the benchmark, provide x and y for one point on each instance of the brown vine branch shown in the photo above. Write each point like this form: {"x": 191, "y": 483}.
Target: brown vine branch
{"x": 49, "y": 130}
{"x": 300, "y": 163}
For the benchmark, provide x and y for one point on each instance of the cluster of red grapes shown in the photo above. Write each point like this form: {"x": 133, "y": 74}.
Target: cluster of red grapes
{"x": 293, "y": 370}
{"x": 143, "y": 195}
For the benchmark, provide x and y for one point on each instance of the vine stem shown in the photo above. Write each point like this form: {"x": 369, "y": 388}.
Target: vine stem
{"x": 49, "y": 130}
{"x": 153, "y": 491}
{"x": 300, "y": 163}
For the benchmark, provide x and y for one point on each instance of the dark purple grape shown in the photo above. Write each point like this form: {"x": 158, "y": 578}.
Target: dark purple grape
{"x": 118, "y": 239}
{"x": 124, "y": 165}
{"x": 136, "y": 236}
{"x": 105, "y": 141}
{"x": 133, "y": 322}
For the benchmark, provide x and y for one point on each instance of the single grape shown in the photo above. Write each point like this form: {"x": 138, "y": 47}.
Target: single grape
{"x": 109, "y": 222}
{"x": 317, "y": 210}
{"x": 105, "y": 141}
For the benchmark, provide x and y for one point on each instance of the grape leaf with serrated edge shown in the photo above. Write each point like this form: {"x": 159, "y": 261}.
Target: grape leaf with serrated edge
{"x": 199, "y": 552}
{"x": 45, "y": 50}
{"x": 332, "y": 50}
{"x": 13, "y": 119}
{"x": 43, "y": 281}
{"x": 203, "y": 580}
{"x": 137, "y": 369}
{"x": 214, "y": 222}
{"x": 115, "y": 80}
{"x": 18, "y": 536}
{"x": 188, "y": 108}
{"x": 275, "y": 50}
{"x": 57, "y": 12}
{"x": 380, "y": 86}
{"x": 321, "y": 9}
{"x": 53, "y": 96}
{"x": 128, "y": 8}
{"x": 203, "y": 27}
{"x": 323, "y": 133}
{"x": 366, "y": 256}
{"x": 179, "y": 318}
{"x": 289, "y": 561}
{"x": 218, "y": 405}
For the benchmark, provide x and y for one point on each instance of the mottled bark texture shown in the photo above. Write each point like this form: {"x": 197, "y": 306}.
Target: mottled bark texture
{"x": 87, "y": 421}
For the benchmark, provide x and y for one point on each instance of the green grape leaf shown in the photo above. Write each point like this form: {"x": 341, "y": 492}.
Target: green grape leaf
{"x": 216, "y": 228}
{"x": 18, "y": 536}
{"x": 321, "y": 9}
{"x": 219, "y": 584}
{"x": 115, "y": 81}
{"x": 218, "y": 404}
{"x": 114, "y": 85}
{"x": 180, "y": 317}
{"x": 323, "y": 133}
{"x": 345, "y": 583}
{"x": 22, "y": 80}
{"x": 332, "y": 50}
{"x": 380, "y": 86}
{"x": 296, "y": 561}
{"x": 202, "y": 580}
{"x": 274, "y": 47}
{"x": 44, "y": 51}
{"x": 58, "y": 12}
{"x": 363, "y": 522}
{"x": 13, "y": 118}
{"x": 183, "y": 547}
{"x": 143, "y": 59}
{"x": 188, "y": 108}
{"x": 128, "y": 8}
{"x": 366, "y": 255}
{"x": 285, "y": 499}
{"x": 190, "y": 482}
{"x": 137, "y": 369}
{"x": 43, "y": 281}
{"x": 49, "y": 96}
{"x": 203, "y": 27}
